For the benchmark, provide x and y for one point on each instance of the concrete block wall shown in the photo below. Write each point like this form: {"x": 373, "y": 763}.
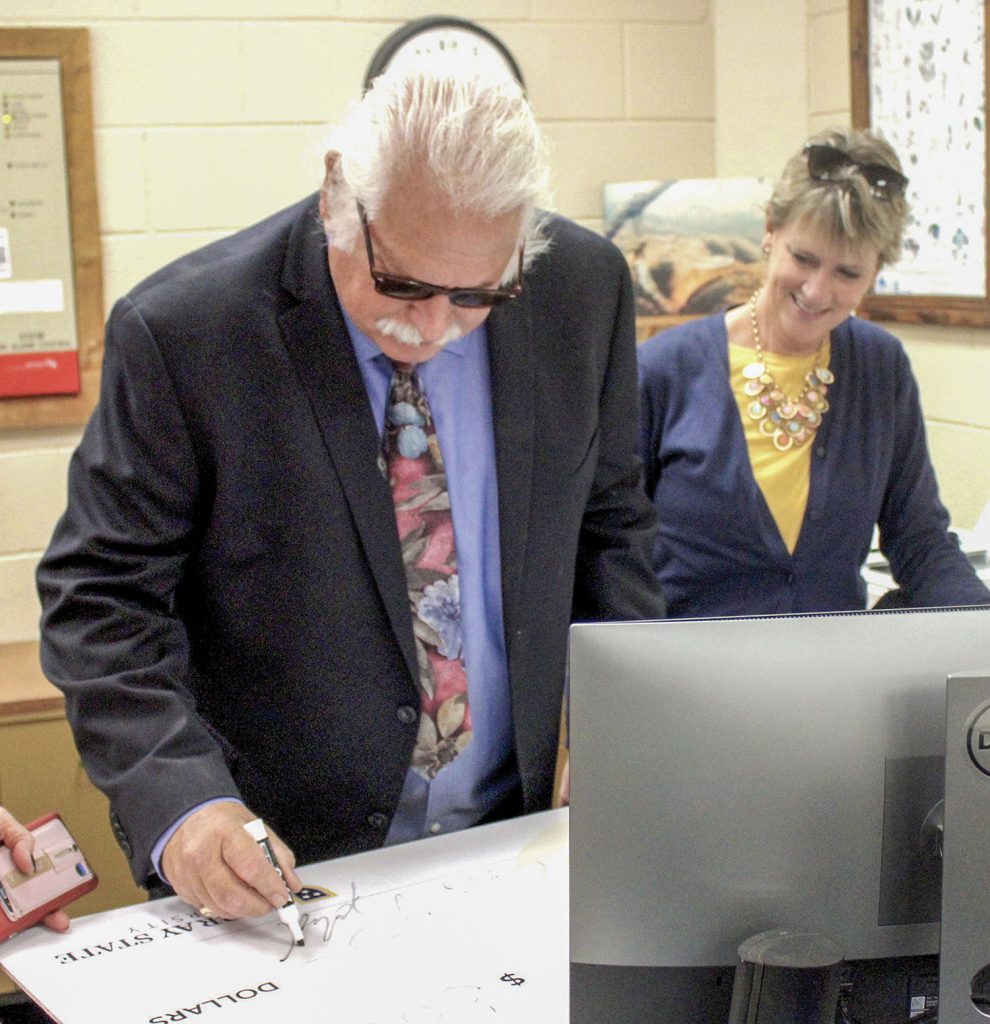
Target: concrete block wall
{"x": 210, "y": 114}
{"x": 828, "y": 64}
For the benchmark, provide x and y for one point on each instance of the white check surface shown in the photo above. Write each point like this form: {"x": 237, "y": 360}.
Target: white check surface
{"x": 456, "y": 929}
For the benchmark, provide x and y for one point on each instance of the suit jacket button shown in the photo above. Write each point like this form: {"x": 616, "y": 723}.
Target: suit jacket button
{"x": 378, "y": 820}
{"x": 407, "y": 714}
{"x": 120, "y": 835}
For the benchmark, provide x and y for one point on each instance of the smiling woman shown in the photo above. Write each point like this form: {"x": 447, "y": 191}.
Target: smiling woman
{"x": 779, "y": 435}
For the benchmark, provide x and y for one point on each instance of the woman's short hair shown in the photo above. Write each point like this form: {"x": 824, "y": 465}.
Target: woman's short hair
{"x": 844, "y": 207}
{"x": 467, "y": 136}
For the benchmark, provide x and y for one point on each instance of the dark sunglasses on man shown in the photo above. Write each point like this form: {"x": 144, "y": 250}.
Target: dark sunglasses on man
{"x": 824, "y": 163}
{"x": 411, "y": 290}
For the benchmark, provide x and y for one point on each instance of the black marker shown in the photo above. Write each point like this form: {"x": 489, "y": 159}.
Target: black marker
{"x": 288, "y": 912}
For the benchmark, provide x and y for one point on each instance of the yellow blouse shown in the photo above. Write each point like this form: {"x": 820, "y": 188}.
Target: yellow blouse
{"x": 783, "y": 477}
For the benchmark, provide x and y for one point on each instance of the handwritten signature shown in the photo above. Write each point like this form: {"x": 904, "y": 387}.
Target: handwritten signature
{"x": 328, "y": 923}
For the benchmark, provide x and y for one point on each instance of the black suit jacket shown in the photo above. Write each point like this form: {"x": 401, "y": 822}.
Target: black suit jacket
{"x": 224, "y": 601}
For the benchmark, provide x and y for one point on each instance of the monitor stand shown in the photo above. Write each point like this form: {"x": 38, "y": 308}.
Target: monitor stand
{"x": 623, "y": 994}
{"x": 964, "y": 970}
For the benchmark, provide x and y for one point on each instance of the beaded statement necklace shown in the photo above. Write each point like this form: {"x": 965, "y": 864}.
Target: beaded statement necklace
{"x": 788, "y": 422}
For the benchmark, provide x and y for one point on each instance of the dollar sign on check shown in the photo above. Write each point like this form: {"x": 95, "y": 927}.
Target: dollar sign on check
{"x": 512, "y": 979}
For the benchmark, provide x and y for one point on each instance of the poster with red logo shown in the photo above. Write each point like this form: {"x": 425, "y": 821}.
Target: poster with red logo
{"x": 39, "y": 347}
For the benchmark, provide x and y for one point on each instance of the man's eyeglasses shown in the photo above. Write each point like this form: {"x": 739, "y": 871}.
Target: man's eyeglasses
{"x": 825, "y": 161}
{"x": 411, "y": 290}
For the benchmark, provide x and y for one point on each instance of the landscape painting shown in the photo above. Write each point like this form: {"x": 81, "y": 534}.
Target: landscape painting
{"x": 693, "y": 244}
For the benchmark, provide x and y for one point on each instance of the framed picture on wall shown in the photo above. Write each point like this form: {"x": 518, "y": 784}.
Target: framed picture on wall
{"x": 693, "y": 244}
{"x": 51, "y": 281}
{"x": 919, "y": 72}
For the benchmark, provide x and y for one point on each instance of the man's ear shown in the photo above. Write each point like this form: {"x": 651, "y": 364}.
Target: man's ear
{"x": 331, "y": 162}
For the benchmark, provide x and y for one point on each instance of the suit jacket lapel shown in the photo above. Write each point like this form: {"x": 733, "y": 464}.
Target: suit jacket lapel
{"x": 511, "y": 357}
{"x": 319, "y": 345}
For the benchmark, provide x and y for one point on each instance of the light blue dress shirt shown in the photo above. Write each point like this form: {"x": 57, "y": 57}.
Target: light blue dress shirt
{"x": 457, "y": 385}
{"x": 458, "y": 388}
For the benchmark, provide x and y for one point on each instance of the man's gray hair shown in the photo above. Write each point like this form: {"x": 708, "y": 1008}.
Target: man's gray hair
{"x": 466, "y": 135}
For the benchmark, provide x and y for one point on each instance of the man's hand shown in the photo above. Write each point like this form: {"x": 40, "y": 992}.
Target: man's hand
{"x": 563, "y": 795}
{"x": 214, "y": 865}
{"x": 20, "y": 842}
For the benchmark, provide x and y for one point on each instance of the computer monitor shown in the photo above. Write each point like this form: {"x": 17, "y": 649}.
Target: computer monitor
{"x": 730, "y": 776}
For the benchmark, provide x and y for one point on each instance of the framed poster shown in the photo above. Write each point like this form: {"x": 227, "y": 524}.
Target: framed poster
{"x": 693, "y": 245}
{"x": 51, "y": 282}
{"x": 919, "y": 72}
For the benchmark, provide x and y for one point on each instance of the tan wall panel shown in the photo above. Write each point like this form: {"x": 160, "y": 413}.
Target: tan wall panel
{"x": 828, "y": 62}
{"x": 32, "y": 494}
{"x": 235, "y": 9}
{"x": 165, "y": 72}
{"x": 253, "y": 171}
{"x": 571, "y": 71}
{"x": 825, "y": 6}
{"x": 953, "y": 371}
{"x": 584, "y": 158}
{"x": 399, "y": 11}
{"x": 299, "y": 71}
{"x": 66, "y": 11}
{"x": 961, "y": 456}
{"x": 120, "y": 170}
{"x": 623, "y": 10}
{"x": 836, "y": 119}
{"x": 18, "y": 598}
{"x": 38, "y": 438}
{"x": 670, "y": 71}
{"x": 128, "y": 259}
{"x": 760, "y": 85}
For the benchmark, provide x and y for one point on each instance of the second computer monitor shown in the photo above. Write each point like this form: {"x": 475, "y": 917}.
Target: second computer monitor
{"x": 730, "y": 776}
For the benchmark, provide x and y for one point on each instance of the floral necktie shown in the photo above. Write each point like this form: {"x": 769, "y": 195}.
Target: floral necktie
{"x": 426, "y": 532}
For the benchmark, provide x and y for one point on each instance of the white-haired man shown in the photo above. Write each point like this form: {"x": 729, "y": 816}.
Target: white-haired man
{"x": 255, "y": 602}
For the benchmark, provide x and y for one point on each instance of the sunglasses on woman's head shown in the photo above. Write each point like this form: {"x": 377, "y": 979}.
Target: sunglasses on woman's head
{"x": 410, "y": 290}
{"x": 824, "y": 163}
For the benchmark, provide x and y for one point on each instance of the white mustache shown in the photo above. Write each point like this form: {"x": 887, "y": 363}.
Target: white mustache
{"x": 406, "y": 334}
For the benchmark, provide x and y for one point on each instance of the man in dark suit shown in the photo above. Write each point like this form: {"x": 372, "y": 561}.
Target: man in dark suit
{"x": 227, "y": 602}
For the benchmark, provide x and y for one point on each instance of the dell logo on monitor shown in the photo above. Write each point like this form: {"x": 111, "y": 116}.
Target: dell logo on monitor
{"x": 978, "y": 739}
